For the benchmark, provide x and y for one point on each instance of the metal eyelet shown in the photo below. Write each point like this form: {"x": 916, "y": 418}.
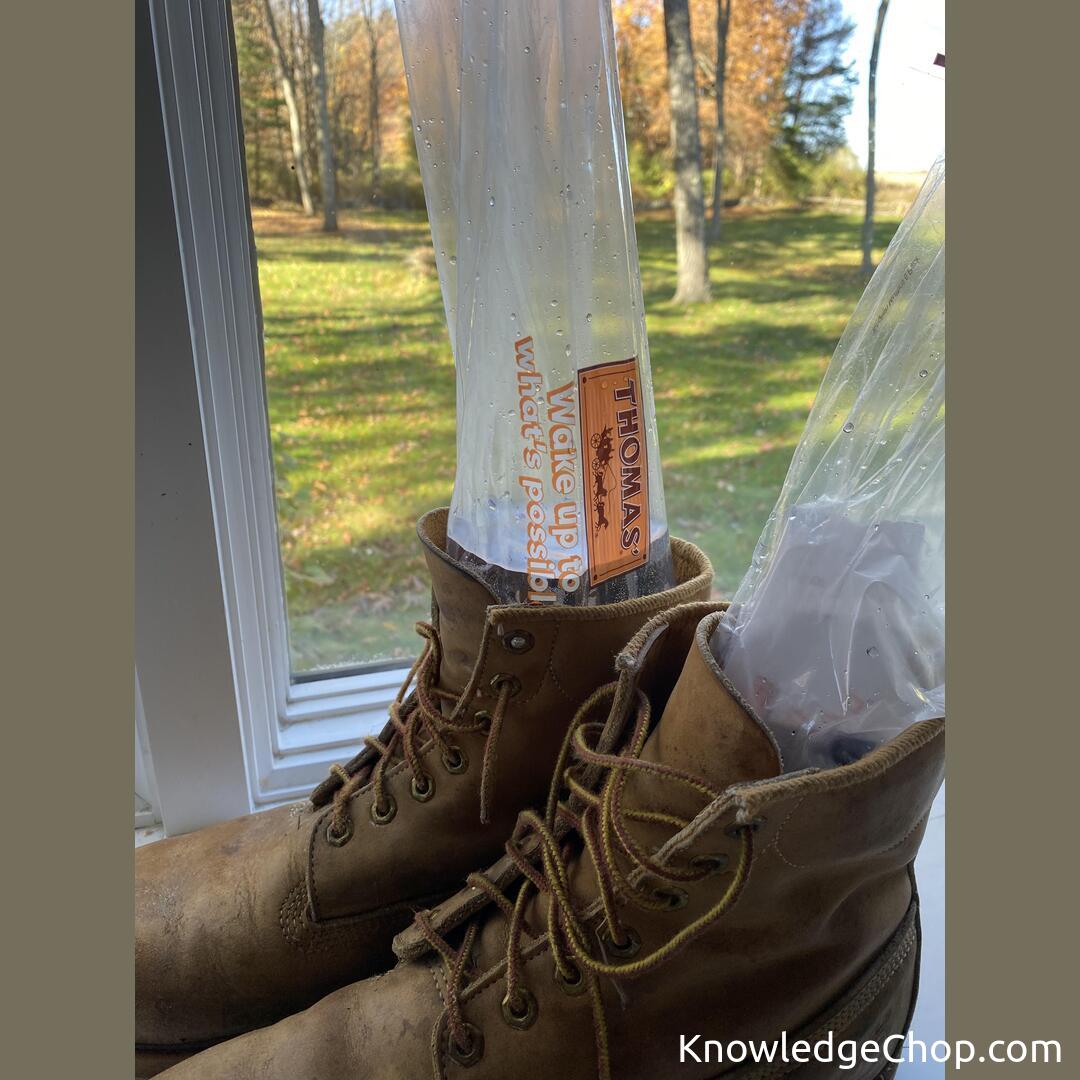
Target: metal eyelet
{"x": 471, "y": 1054}
{"x": 518, "y": 641}
{"x": 454, "y": 760}
{"x": 709, "y": 864}
{"x": 573, "y": 987}
{"x": 502, "y": 679}
{"x": 339, "y": 839}
{"x": 385, "y": 815}
{"x": 673, "y": 899}
{"x": 624, "y": 950}
{"x": 520, "y": 1013}
{"x": 482, "y": 716}
{"x": 422, "y": 792}
{"x": 747, "y": 826}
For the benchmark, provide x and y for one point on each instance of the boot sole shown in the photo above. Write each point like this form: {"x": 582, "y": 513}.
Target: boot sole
{"x": 880, "y": 1003}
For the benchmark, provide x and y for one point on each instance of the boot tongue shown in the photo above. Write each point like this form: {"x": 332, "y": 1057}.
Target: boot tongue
{"x": 461, "y": 601}
{"x": 703, "y": 731}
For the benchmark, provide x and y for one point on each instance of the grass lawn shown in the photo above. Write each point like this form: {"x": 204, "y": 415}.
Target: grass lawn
{"x": 360, "y": 383}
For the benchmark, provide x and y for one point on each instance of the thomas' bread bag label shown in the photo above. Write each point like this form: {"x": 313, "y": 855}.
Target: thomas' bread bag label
{"x": 616, "y": 469}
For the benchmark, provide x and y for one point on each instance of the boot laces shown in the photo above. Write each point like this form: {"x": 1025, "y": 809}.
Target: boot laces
{"x": 592, "y": 819}
{"x": 415, "y": 718}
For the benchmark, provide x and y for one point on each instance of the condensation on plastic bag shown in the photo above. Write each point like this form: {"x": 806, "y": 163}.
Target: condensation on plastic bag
{"x": 518, "y": 123}
{"x": 430, "y": 33}
{"x": 836, "y": 635}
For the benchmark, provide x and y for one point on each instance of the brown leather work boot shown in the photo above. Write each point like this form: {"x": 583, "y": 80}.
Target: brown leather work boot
{"x": 684, "y": 885}
{"x": 248, "y": 921}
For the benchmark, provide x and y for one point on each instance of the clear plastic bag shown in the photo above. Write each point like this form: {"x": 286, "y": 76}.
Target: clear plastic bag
{"x": 430, "y": 33}
{"x": 558, "y": 493}
{"x": 836, "y": 635}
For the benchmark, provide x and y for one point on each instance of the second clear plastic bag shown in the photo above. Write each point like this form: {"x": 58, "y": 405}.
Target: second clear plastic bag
{"x": 836, "y": 635}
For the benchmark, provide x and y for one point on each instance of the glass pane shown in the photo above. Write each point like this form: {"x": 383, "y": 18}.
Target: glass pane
{"x": 360, "y": 378}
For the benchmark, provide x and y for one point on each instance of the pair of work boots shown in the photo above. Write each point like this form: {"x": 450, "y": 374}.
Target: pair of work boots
{"x": 661, "y": 875}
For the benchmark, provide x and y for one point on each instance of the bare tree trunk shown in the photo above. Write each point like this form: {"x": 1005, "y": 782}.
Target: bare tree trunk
{"x": 288, "y": 92}
{"x": 690, "y": 252}
{"x": 868, "y": 220}
{"x": 326, "y": 146}
{"x": 723, "y": 21}
{"x": 374, "y": 91}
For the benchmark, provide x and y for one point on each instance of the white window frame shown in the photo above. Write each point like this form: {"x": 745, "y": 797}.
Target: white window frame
{"x": 146, "y": 797}
{"x": 292, "y": 731}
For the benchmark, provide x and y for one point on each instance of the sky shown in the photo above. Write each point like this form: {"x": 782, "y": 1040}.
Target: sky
{"x": 910, "y": 90}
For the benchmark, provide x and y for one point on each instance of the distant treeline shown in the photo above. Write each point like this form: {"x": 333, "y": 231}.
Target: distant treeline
{"x": 326, "y": 109}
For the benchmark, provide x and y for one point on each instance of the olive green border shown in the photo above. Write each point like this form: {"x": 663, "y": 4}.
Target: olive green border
{"x": 1012, "y": 330}
{"x": 66, "y": 399}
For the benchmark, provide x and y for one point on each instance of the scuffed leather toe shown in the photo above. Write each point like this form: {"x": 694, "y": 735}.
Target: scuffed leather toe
{"x": 379, "y": 1029}
{"x": 208, "y": 929}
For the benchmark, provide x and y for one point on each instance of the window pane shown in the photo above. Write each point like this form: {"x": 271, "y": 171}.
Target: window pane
{"x": 360, "y": 378}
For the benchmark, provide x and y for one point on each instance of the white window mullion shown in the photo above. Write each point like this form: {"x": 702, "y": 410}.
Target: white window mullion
{"x": 146, "y": 796}
{"x": 290, "y": 733}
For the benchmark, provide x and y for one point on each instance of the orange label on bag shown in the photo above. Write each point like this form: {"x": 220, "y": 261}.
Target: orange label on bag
{"x": 617, "y": 473}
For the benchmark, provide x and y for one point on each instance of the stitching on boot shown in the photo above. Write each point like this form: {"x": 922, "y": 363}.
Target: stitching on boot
{"x": 889, "y": 962}
{"x": 317, "y": 938}
{"x": 559, "y": 686}
{"x": 549, "y": 668}
{"x": 875, "y": 765}
{"x": 906, "y": 837}
{"x": 309, "y": 937}
{"x": 436, "y": 1030}
{"x": 774, "y": 843}
{"x": 492, "y": 976}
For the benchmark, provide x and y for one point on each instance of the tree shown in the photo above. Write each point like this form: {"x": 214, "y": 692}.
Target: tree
{"x": 288, "y": 91}
{"x": 691, "y": 254}
{"x": 723, "y": 21}
{"x": 326, "y": 146}
{"x": 818, "y": 89}
{"x": 260, "y": 100}
{"x": 370, "y": 17}
{"x": 868, "y": 220}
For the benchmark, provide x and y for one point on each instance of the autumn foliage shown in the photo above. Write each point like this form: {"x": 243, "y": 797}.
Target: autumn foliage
{"x": 369, "y": 108}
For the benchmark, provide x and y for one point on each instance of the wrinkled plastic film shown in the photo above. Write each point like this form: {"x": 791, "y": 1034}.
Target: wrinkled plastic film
{"x": 545, "y": 286}
{"x": 430, "y": 33}
{"x": 836, "y": 635}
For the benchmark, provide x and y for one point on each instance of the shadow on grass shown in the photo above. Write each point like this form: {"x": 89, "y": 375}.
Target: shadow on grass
{"x": 361, "y": 393}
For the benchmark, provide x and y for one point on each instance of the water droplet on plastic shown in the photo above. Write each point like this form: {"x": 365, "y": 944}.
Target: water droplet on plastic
{"x": 567, "y": 350}
{"x": 453, "y": 260}
{"x": 554, "y": 303}
{"x": 491, "y": 201}
{"x": 588, "y": 316}
{"x": 923, "y": 373}
{"x": 527, "y": 49}
{"x": 871, "y": 652}
{"x": 849, "y": 427}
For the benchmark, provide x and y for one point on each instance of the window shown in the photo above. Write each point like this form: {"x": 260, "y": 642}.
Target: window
{"x": 292, "y": 725}
{"x": 324, "y": 444}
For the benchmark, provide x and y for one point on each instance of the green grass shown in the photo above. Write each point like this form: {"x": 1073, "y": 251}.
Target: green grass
{"x": 361, "y": 395}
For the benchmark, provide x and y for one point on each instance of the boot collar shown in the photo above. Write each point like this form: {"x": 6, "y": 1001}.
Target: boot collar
{"x": 464, "y": 607}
